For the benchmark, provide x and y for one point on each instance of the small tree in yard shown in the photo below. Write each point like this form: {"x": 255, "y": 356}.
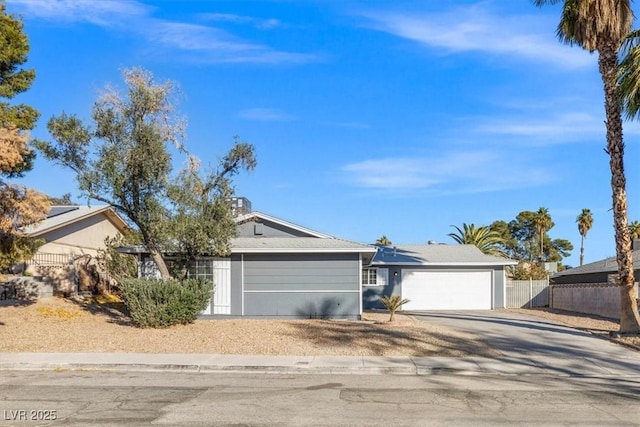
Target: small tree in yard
{"x": 393, "y": 304}
{"x": 124, "y": 160}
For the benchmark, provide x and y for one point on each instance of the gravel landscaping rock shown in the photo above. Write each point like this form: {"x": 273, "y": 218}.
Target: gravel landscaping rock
{"x": 59, "y": 325}
{"x": 62, "y": 325}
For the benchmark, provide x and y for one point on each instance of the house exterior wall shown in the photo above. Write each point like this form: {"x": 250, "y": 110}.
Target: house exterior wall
{"x": 371, "y": 294}
{"x": 301, "y": 285}
{"x": 499, "y": 288}
{"x": 85, "y": 236}
{"x": 267, "y": 229}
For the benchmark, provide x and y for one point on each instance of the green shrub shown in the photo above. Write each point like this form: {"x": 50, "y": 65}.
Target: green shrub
{"x": 159, "y": 303}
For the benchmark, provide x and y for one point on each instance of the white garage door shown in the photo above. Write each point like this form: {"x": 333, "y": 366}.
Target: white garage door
{"x": 446, "y": 290}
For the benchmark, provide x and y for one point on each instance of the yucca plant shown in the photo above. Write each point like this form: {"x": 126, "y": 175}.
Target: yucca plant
{"x": 393, "y": 304}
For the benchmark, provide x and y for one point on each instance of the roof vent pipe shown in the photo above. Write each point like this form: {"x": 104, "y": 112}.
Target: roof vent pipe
{"x": 394, "y": 251}
{"x": 432, "y": 242}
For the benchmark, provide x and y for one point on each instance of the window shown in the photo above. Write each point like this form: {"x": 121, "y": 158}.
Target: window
{"x": 374, "y": 276}
{"x": 369, "y": 277}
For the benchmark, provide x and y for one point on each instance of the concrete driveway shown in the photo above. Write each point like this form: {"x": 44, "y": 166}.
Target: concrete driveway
{"x": 540, "y": 343}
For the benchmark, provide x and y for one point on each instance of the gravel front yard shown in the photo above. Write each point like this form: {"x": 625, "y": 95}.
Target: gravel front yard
{"x": 58, "y": 325}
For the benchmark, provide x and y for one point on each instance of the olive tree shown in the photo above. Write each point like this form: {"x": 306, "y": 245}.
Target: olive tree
{"x": 124, "y": 159}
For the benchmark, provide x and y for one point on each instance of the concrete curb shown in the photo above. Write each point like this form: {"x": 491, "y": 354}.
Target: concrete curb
{"x": 354, "y": 365}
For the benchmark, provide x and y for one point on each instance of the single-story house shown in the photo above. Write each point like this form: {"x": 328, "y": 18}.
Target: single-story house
{"x": 72, "y": 237}
{"x": 436, "y": 277}
{"x": 280, "y": 269}
{"x": 76, "y": 230}
{"x": 597, "y": 272}
{"x": 592, "y": 288}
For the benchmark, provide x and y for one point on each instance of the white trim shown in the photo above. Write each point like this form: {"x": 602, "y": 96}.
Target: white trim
{"x": 493, "y": 290}
{"x": 444, "y": 264}
{"x": 300, "y": 291}
{"x": 108, "y": 210}
{"x": 247, "y": 217}
{"x": 242, "y": 284}
{"x": 360, "y": 283}
{"x": 300, "y": 250}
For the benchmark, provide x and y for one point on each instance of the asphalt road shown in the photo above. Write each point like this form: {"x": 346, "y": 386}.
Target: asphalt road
{"x": 77, "y": 398}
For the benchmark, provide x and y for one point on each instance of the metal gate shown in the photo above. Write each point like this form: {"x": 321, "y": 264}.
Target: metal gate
{"x": 527, "y": 293}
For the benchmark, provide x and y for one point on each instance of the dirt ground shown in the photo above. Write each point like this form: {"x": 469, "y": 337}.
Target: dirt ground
{"x": 60, "y": 325}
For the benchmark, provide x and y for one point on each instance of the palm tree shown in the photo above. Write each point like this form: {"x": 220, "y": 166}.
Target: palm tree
{"x": 393, "y": 304}
{"x": 383, "y": 241}
{"x": 601, "y": 26}
{"x": 485, "y": 239}
{"x": 585, "y": 222}
{"x": 543, "y": 223}
{"x": 634, "y": 230}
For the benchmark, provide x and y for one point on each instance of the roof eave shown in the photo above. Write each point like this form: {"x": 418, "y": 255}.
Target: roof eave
{"x": 446, "y": 264}
{"x": 301, "y": 250}
{"x": 74, "y": 220}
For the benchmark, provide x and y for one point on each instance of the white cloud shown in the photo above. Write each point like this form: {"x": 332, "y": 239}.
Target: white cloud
{"x": 452, "y": 172}
{"x": 475, "y": 29}
{"x": 263, "y": 24}
{"x": 105, "y": 13}
{"x": 542, "y": 130}
{"x": 186, "y": 41}
{"x": 265, "y": 114}
{"x": 390, "y": 173}
{"x": 350, "y": 125}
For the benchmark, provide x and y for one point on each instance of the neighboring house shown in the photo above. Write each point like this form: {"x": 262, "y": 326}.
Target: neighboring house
{"x": 77, "y": 230}
{"x": 71, "y": 232}
{"x": 592, "y": 288}
{"x": 436, "y": 277}
{"x": 602, "y": 271}
{"x": 280, "y": 269}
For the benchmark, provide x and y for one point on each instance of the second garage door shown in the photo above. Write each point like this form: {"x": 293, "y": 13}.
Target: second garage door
{"x": 447, "y": 290}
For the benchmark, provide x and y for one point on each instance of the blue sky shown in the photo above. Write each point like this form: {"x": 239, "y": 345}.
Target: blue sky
{"x": 399, "y": 118}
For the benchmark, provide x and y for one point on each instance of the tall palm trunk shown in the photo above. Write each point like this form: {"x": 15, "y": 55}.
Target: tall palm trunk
{"x": 608, "y": 64}
{"x": 581, "y": 250}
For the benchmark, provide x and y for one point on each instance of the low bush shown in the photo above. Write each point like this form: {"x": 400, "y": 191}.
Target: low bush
{"x": 156, "y": 303}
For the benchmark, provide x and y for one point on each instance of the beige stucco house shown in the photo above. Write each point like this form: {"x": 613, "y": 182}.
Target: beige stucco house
{"x": 72, "y": 235}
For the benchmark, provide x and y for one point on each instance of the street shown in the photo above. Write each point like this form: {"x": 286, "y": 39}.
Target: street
{"x": 86, "y": 398}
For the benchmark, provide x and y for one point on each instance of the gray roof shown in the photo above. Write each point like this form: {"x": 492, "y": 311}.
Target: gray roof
{"x": 296, "y": 244}
{"x": 608, "y": 265}
{"x": 59, "y": 216}
{"x": 283, "y": 245}
{"x": 435, "y": 255}
{"x": 259, "y": 215}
